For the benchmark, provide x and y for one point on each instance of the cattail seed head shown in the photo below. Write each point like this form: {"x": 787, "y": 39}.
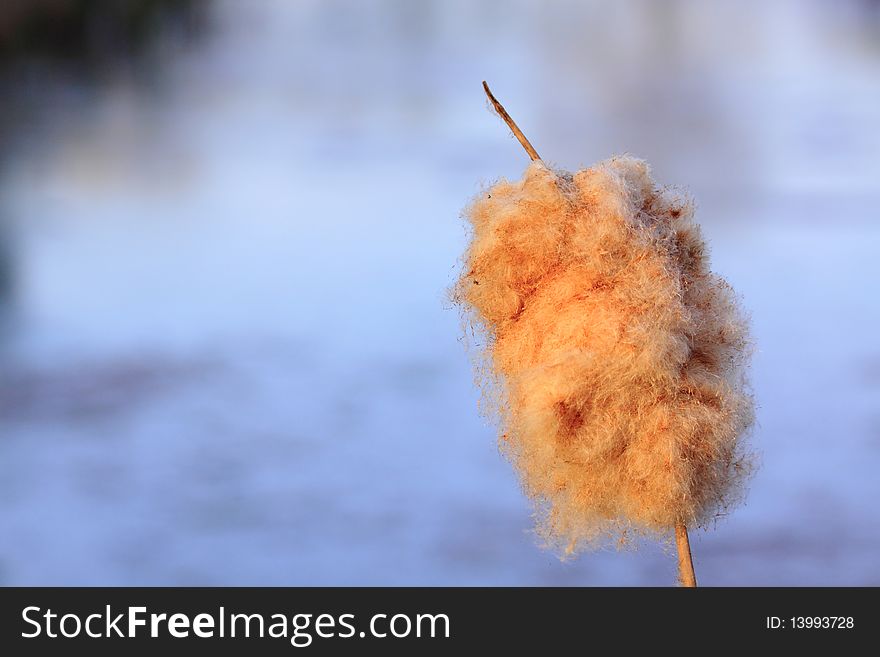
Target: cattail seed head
{"x": 614, "y": 358}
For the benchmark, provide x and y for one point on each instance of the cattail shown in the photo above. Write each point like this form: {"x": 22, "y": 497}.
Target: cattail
{"x": 614, "y": 358}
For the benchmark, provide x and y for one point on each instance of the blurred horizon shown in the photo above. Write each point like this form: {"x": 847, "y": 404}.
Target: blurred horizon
{"x": 226, "y": 234}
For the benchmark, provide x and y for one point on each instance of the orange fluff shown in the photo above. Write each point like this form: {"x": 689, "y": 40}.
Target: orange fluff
{"x": 613, "y": 358}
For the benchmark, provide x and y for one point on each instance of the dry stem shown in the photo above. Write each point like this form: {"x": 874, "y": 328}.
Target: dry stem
{"x": 685, "y": 562}
{"x": 511, "y": 124}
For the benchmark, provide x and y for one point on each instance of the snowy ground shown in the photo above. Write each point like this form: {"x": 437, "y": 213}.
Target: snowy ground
{"x": 227, "y": 357}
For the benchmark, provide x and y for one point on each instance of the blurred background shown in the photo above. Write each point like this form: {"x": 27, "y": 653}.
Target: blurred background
{"x": 226, "y": 232}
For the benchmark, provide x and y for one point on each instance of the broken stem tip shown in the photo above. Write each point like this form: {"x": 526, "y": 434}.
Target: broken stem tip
{"x": 499, "y": 108}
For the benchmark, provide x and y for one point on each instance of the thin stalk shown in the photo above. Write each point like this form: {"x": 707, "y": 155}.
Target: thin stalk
{"x": 685, "y": 561}
{"x": 499, "y": 108}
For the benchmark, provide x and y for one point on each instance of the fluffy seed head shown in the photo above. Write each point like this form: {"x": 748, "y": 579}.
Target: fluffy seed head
{"x": 613, "y": 358}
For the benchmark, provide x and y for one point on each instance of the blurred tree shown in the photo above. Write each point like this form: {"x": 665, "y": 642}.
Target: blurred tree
{"x": 84, "y": 28}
